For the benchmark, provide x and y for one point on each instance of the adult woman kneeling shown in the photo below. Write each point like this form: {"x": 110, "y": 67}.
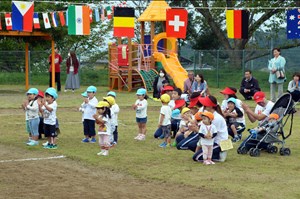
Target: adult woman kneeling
{"x": 210, "y": 104}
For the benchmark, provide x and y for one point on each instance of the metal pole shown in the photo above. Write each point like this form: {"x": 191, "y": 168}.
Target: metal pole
{"x": 218, "y": 83}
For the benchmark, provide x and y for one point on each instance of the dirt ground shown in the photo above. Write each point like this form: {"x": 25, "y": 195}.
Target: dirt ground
{"x": 66, "y": 178}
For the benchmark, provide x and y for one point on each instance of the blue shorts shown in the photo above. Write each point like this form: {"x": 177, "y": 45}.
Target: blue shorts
{"x": 141, "y": 120}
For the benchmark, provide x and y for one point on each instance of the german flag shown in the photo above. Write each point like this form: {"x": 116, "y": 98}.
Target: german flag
{"x": 237, "y": 22}
{"x": 123, "y": 22}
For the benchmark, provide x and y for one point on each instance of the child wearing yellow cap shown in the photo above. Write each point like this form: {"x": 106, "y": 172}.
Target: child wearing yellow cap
{"x": 164, "y": 121}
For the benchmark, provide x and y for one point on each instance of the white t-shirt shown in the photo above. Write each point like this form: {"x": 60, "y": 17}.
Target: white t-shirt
{"x": 115, "y": 110}
{"x": 141, "y": 110}
{"x": 50, "y": 117}
{"x": 221, "y": 126}
{"x": 264, "y": 110}
{"x": 90, "y": 109}
{"x": 204, "y": 129}
{"x": 108, "y": 125}
{"x": 166, "y": 111}
{"x": 171, "y": 104}
{"x": 32, "y": 110}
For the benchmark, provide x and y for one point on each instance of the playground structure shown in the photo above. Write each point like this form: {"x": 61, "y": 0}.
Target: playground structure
{"x": 132, "y": 66}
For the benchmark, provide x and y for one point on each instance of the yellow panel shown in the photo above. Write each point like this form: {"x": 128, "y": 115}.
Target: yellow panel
{"x": 230, "y": 23}
{"x": 124, "y": 22}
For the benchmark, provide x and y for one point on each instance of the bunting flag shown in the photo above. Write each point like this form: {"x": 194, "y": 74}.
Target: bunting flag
{"x": 78, "y": 20}
{"x": 176, "y": 23}
{"x": 102, "y": 13}
{"x": 108, "y": 12}
{"x": 91, "y": 15}
{"x": 293, "y": 24}
{"x": 53, "y": 17}
{"x": 36, "y": 21}
{"x": 123, "y": 22}
{"x": 97, "y": 18}
{"x": 46, "y": 21}
{"x": 22, "y": 15}
{"x": 62, "y": 18}
{"x": 8, "y": 21}
{"x": 0, "y": 23}
{"x": 67, "y": 22}
{"x": 237, "y": 22}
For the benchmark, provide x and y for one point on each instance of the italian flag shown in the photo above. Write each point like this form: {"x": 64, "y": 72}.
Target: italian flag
{"x": 78, "y": 20}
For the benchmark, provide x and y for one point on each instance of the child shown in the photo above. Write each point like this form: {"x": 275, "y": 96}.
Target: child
{"x": 207, "y": 133}
{"x": 49, "y": 109}
{"x": 115, "y": 110}
{"x": 183, "y": 125}
{"x": 165, "y": 84}
{"x": 81, "y": 109}
{"x": 89, "y": 106}
{"x": 40, "y": 98}
{"x": 235, "y": 119}
{"x": 271, "y": 122}
{"x": 32, "y": 112}
{"x": 140, "y": 107}
{"x": 164, "y": 121}
{"x": 103, "y": 119}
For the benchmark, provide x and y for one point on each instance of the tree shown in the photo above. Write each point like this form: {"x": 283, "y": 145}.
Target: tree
{"x": 213, "y": 19}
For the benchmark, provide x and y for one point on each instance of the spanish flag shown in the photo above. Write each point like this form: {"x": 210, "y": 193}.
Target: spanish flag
{"x": 237, "y": 22}
{"x": 123, "y": 22}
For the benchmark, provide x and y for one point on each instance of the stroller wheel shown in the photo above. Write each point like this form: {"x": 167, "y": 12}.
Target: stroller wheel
{"x": 272, "y": 149}
{"x": 285, "y": 151}
{"x": 255, "y": 152}
{"x": 242, "y": 150}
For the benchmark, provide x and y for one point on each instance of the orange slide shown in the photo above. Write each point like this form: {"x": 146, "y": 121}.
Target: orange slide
{"x": 170, "y": 62}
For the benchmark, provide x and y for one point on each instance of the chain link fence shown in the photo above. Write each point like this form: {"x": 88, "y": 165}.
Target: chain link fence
{"x": 220, "y": 68}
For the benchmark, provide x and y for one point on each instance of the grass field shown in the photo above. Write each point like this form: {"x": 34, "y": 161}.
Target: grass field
{"x": 241, "y": 176}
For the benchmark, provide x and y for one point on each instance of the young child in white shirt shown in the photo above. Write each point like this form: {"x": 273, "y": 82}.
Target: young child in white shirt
{"x": 81, "y": 109}
{"x": 164, "y": 121}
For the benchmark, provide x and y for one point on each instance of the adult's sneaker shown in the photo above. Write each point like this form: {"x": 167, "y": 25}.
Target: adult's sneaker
{"x": 93, "y": 140}
{"x": 85, "y": 140}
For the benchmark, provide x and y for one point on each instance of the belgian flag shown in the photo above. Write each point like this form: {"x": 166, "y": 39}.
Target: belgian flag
{"x": 123, "y": 22}
{"x": 237, "y": 22}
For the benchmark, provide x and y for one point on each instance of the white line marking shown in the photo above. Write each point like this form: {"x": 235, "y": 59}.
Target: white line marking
{"x": 33, "y": 159}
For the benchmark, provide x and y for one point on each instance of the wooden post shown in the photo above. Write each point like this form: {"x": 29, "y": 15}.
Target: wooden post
{"x": 26, "y": 66}
{"x": 130, "y": 64}
{"x": 152, "y": 43}
{"x": 143, "y": 46}
{"x": 53, "y": 63}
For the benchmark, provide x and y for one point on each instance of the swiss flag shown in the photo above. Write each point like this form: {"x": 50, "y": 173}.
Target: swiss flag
{"x": 176, "y": 23}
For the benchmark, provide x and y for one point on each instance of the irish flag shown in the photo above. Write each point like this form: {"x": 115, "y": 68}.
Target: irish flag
{"x": 78, "y": 20}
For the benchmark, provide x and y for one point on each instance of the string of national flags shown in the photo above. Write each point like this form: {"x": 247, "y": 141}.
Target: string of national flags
{"x": 76, "y": 18}
{"x": 79, "y": 17}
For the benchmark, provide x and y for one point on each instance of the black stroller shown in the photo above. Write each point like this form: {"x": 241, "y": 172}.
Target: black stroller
{"x": 273, "y": 133}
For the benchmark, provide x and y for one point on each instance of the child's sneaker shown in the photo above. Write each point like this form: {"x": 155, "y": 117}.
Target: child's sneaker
{"x": 54, "y": 146}
{"x": 33, "y": 143}
{"x": 45, "y": 144}
{"x": 206, "y": 162}
{"x": 174, "y": 144}
{"x": 105, "y": 153}
{"x": 163, "y": 145}
{"x": 211, "y": 162}
{"x": 236, "y": 139}
{"x": 93, "y": 140}
{"x": 85, "y": 140}
{"x": 138, "y": 136}
{"x": 101, "y": 152}
{"x": 142, "y": 137}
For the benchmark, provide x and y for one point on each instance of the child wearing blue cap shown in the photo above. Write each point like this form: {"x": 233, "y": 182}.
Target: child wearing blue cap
{"x": 49, "y": 107}
{"x": 81, "y": 109}
{"x": 89, "y": 106}
{"x": 31, "y": 107}
{"x": 235, "y": 119}
{"x": 140, "y": 106}
{"x": 115, "y": 109}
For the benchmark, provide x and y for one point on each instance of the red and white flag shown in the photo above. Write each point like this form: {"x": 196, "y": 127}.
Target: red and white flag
{"x": 0, "y": 23}
{"x": 62, "y": 18}
{"x": 176, "y": 23}
{"x": 46, "y": 21}
{"x": 8, "y": 21}
{"x": 36, "y": 21}
{"x": 91, "y": 15}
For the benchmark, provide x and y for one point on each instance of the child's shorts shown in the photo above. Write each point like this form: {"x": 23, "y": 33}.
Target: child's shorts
{"x": 27, "y": 126}
{"x": 34, "y": 126}
{"x": 141, "y": 120}
{"x": 50, "y": 130}
{"x": 166, "y": 130}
